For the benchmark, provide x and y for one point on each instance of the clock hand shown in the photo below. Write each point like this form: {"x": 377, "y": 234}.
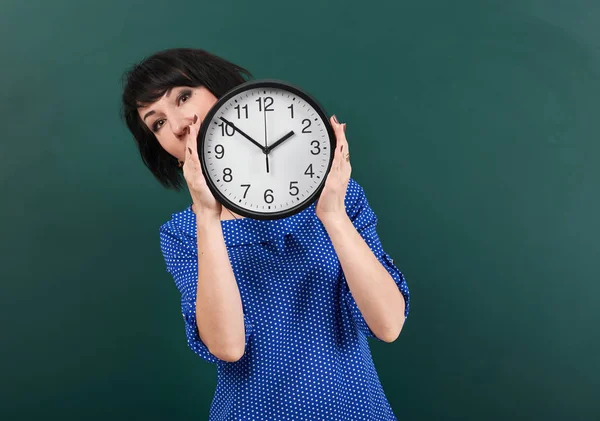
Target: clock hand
{"x": 262, "y": 148}
{"x": 267, "y": 159}
{"x": 280, "y": 141}
{"x": 266, "y": 150}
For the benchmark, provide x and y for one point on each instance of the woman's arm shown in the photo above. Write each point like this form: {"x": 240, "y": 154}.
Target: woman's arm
{"x": 376, "y": 294}
{"x": 219, "y": 312}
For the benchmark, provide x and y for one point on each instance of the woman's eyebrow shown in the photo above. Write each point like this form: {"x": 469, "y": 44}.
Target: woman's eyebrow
{"x": 148, "y": 114}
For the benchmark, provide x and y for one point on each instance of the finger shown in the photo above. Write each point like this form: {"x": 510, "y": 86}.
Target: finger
{"x": 346, "y": 151}
{"x": 338, "y": 128}
{"x": 188, "y": 142}
{"x": 191, "y": 146}
{"x": 194, "y": 142}
{"x": 337, "y": 159}
{"x": 341, "y": 135}
{"x": 194, "y": 136}
{"x": 342, "y": 144}
{"x": 336, "y": 156}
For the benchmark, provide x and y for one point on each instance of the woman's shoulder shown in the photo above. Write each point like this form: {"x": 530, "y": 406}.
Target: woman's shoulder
{"x": 179, "y": 229}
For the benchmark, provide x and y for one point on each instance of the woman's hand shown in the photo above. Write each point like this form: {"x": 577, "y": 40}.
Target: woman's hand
{"x": 330, "y": 204}
{"x": 204, "y": 201}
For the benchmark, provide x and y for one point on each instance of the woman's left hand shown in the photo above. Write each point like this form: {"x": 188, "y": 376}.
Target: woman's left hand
{"x": 330, "y": 204}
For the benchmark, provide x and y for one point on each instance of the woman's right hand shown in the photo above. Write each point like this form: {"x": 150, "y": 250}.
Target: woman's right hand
{"x": 203, "y": 199}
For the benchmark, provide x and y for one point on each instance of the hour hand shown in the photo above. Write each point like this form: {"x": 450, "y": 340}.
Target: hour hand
{"x": 280, "y": 141}
{"x": 262, "y": 148}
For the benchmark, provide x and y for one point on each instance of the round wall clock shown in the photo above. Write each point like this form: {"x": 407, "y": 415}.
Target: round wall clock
{"x": 265, "y": 149}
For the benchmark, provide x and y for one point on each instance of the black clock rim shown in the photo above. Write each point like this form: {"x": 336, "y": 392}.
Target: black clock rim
{"x": 264, "y": 83}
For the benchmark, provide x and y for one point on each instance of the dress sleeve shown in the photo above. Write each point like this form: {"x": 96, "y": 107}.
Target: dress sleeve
{"x": 182, "y": 264}
{"x": 365, "y": 221}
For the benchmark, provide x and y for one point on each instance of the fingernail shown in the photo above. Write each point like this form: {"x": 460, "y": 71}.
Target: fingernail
{"x": 344, "y": 127}
{"x": 195, "y": 118}
{"x": 335, "y": 119}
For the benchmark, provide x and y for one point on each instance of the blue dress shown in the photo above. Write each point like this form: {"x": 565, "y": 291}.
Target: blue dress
{"x": 306, "y": 355}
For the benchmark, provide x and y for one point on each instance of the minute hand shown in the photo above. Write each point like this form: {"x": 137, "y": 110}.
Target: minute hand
{"x": 262, "y": 148}
{"x": 280, "y": 141}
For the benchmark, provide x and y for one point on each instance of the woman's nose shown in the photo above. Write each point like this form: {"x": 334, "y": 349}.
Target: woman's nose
{"x": 180, "y": 125}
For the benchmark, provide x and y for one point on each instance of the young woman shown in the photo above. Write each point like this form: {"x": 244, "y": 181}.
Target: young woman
{"x": 284, "y": 307}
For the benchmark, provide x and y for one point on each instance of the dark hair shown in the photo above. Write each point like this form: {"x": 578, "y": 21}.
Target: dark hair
{"x": 148, "y": 81}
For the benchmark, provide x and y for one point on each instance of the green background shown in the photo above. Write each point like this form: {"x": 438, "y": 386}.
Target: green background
{"x": 473, "y": 127}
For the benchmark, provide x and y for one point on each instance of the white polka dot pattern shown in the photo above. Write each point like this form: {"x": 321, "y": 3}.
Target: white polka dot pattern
{"x": 306, "y": 355}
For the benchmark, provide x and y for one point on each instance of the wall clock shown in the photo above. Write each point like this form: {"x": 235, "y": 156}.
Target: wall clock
{"x": 265, "y": 149}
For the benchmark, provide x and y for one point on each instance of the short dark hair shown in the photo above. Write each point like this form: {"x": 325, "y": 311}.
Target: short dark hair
{"x": 148, "y": 81}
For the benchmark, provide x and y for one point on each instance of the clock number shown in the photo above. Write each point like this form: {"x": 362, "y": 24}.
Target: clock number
{"x": 247, "y": 187}
{"x": 311, "y": 173}
{"x": 294, "y": 187}
{"x": 269, "y": 195}
{"x": 315, "y": 146}
{"x": 304, "y": 130}
{"x": 222, "y": 151}
{"x": 268, "y": 101}
{"x": 245, "y": 107}
{"x": 227, "y": 174}
{"x": 291, "y": 107}
{"x": 225, "y": 129}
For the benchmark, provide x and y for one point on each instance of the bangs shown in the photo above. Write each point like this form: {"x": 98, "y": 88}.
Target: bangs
{"x": 150, "y": 81}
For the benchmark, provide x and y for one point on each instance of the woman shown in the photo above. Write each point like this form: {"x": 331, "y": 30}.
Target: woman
{"x": 282, "y": 307}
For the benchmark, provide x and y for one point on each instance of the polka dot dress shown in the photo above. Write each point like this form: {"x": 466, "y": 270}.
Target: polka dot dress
{"x": 306, "y": 355}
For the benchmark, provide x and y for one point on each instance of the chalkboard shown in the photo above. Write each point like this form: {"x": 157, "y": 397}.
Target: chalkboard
{"x": 474, "y": 131}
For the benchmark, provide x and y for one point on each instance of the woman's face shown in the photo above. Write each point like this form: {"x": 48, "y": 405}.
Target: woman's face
{"x": 169, "y": 117}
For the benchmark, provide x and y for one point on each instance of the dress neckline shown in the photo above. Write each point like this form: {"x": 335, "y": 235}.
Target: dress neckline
{"x": 247, "y": 230}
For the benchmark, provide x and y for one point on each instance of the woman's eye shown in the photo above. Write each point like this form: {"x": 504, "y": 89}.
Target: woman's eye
{"x": 184, "y": 97}
{"x": 156, "y": 125}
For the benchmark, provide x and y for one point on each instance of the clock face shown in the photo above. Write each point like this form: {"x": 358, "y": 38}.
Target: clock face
{"x": 266, "y": 148}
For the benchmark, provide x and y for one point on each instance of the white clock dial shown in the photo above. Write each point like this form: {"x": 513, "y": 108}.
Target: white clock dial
{"x": 235, "y": 139}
